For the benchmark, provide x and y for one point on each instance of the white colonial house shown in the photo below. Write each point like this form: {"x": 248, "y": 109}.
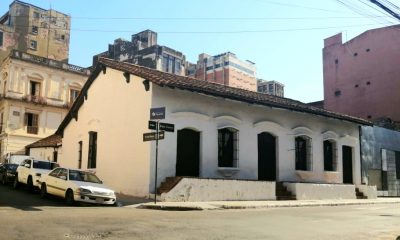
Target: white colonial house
{"x": 228, "y": 143}
{"x": 35, "y": 96}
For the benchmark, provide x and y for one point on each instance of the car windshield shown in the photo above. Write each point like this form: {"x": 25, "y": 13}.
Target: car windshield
{"x": 11, "y": 167}
{"x": 44, "y": 165}
{"x": 75, "y": 175}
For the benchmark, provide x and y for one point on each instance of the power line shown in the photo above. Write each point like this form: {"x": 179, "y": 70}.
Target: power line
{"x": 211, "y": 32}
{"x": 203, "y": 18}
{"x": 231, "y": 32}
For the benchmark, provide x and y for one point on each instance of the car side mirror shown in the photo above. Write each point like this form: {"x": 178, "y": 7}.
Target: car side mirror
{"x": 63, "y": 178}
{"x": 27, "y": 165}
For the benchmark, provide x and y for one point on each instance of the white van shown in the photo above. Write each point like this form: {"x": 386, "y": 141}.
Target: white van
{"x": 16, "y": 159}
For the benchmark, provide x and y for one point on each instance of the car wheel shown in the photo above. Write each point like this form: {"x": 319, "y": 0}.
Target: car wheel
{"x": 69, "y": 197}
{"x": 43, "y": 191}
{"x": 16, "y": 183}
{"x": 30, "y": 184}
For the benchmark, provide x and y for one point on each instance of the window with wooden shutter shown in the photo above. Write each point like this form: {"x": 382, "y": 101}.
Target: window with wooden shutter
{"x": 92, "y": 149}
{"x": 35, "y": 89}
{"x": 303, "y": 153}
{"x": 31, "y": 121}
{"x": 80, "y": 155}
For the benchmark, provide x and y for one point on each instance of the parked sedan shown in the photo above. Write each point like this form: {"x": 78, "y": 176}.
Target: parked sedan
{"x": 8, "y": 172}
{"x": 76, "y": 185}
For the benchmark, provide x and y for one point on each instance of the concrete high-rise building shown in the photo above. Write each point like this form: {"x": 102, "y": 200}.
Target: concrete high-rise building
{"x": 28, "y": 28}
{"x": 225, "y": 69}
{"x": 143, "y": 50}
{"x": 362, "y": 75}
{"x": 270, "y": 87}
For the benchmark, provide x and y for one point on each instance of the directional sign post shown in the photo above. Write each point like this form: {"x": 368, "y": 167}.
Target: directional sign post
{"x": 157, "y": 114}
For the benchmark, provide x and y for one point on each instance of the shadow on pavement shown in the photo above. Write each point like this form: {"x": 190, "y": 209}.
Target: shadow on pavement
{"x": 24, "y": 200}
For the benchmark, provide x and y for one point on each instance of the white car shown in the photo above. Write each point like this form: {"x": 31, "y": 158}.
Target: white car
{"x": 76, "y": 185}
{"x": 30, "y": 170}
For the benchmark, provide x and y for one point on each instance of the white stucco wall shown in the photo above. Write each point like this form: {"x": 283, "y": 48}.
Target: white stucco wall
{"x": 307, "y": 191}
{"x": 369, "y": 191}
{"x": 207, "y": 114}
{"x": 118, "y": 111}
{"x": 45, "y": 153}
{"x": 199, "y": 190}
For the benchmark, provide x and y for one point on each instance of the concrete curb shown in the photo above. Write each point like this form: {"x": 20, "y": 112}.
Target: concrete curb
{"x": 196, "y": 206}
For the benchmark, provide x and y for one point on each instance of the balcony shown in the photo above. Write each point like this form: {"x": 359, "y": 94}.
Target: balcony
{"x": 32, "y": 129}
{"x": 34, "y": 99}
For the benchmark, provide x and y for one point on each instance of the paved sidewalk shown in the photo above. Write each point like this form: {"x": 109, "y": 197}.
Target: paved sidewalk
{"x": 220, "y": 205}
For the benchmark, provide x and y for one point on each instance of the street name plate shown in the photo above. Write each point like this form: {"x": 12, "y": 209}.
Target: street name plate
{"x": 153, "y": 136}
{"x": 152, "y": 125}
{"x": 167, "y": 127}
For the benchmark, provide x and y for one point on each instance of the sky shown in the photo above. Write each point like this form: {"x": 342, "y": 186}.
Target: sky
{"x": 284, "y": 38}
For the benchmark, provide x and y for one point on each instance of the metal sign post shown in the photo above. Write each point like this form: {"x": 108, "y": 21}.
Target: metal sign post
{"x": 155, "y": 179}
{"x": 157, "y": 114}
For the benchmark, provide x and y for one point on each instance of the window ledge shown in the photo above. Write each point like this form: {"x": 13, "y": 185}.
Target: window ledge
{"x": 228, "y": 171}
{"x": 331, "y": 172}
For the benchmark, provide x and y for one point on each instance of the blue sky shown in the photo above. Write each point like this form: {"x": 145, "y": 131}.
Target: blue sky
{"x": 283, "y": 37}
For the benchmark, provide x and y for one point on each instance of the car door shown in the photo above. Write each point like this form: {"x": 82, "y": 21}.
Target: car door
{"x": 51, "y": 181}
{"x": 62, "y": 182}
{"x": 23, "y": 171}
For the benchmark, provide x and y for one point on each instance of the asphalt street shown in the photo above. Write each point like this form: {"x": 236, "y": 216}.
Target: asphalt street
{"x": 26, "y": 216}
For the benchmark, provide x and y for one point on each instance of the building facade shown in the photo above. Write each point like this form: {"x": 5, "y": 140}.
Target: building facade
{"x": 143, "y": 50}
{"x": 271, "y": 87}
{"x": 225, "y": 69}
{"x": 361, "y": 76}
{"x": 221, "y": 133}
{"x": 36, "y": 94}
{"x": 28, "y": 28}
{"x": 380, "y": 155}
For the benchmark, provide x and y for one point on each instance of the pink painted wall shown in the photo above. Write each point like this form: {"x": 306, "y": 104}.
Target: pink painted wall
{"x": 365, "y": 74}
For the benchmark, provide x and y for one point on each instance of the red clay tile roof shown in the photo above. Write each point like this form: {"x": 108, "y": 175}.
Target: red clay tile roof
{"x": 50, "y": 141}
{"x": 164, "y": 79}
{"x": 214, "y": 89}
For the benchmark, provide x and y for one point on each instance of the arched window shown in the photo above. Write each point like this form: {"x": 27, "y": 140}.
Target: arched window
{"x": 228, "y": 147}
{"x": 303, "y": 153}
{"x": 330, "y": 155}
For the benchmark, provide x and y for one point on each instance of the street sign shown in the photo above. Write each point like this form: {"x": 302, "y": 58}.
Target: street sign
{"x": 167, "y": 127}
{"x": 153, "y": 136}
{"x": 152, "y": 125}
{"x": 157, "y": 113}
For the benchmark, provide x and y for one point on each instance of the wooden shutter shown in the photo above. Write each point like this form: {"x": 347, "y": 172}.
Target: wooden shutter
{"x": 35, "y": 122}
{"x": 26, "y": 119}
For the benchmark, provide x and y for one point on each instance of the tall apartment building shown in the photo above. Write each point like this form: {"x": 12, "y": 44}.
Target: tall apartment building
{"x": 362, "y": 75}
{"x": 35, "y": 95}
{"x": 31, "y": 29}
{"x": 225, "y": 69}
{"x": 143, "y": 50}
{"x": 270, "y": 87}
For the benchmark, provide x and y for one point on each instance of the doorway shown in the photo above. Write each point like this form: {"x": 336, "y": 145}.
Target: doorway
{"x": 188, "y": 153}
{"x": 266, "y": 157}
{"x": 347, "y": 164}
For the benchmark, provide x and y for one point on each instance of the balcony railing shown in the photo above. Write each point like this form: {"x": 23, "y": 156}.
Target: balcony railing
{"x": 32, "y": 129}
{"x": 35, "y": 99}
{"x": 49, "y": 62}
